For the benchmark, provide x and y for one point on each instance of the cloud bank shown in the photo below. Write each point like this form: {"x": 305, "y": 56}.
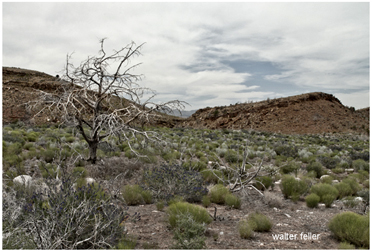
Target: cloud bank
{"x": 208, "y": 54}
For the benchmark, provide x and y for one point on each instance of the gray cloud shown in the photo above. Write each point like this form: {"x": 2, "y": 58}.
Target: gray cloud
{"x": 208, "y": 54}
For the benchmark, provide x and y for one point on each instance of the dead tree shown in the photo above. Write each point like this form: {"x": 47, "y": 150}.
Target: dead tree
{"x": 240, "y": 177}
{"x": 101, "y": 102}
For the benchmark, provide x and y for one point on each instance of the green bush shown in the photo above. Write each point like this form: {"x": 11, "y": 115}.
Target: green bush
{"x": 292, "y": 188}
{"x": 127, "y": 243}
{"x": 290, "y": 167}
{"x": 344, "y": 189}
{"x": 49, "y": 155}
{"x": 218, "y": 193}
{"x": 15, "y": 148}
{"x": 160, "y": 205}
{"x": 259, "y": 222}
{"x": 328, "y": 199}
{"x": 245, "y": 230}
{"x": 79, "y": 172}
{"x": 231, "y": 156}
{"x": 328, "y": 162}
{"x": 346, "y": 245}
{"x": 135, "y": 195}
{"x": 360, "y": 164}
{"x": 351, "y": 227}
{"x": 263, "y": 183}
{"x": 175, "y": 199}
{"x": 188, "y": 233}
{"x": 209, "y": 176}
{"x": 49, "y": 170}
{"x": 355, "y": 187}
{"x": 317, "y": 167}
{"x": 206, "y": 201}
{"x": 232, "y": 201}
{"x": 197, "y": 213}
{"x": 312, "y": 200}
{"x": 32, "y": 136}
{"x": 326, "y": 192}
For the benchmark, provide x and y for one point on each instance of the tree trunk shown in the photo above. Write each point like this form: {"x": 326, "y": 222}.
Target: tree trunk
{"x": 93, "y": 151}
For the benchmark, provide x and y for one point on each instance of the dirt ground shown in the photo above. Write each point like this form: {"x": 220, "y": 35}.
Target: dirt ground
{"x": 291, "y": 220}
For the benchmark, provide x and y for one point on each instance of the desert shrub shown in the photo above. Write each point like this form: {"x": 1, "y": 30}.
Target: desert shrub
{"x": 32, "y": 136}
{"x": 292, "y": 188}
{"x": 259, "y": 222}
{"x": 231, "y": 156}
{"x": 65, "y": 218}
{"x": 49, "y": 154}
{"x": 206, "y": 201}
{"x": 328, "y": 199}
{"x": 316, "y": 167}
{"x": 232, "y": 201}
{"x": 350, "y": 201}
{"x": 245, "y": 230}
{"x": 13, "y": 138}
{"x": 263, "y": 183}
{"x": 286, "y": 150}
{"x": 218, "y": 193}
{"x": 12, "y": 160}
{"x": 360, "y": 164}
{"x": 354, "y": 185}
{"x": 346, "y": 245}
{"x": 28, "y": 146}
{"x": 272, "y": 199}
{"x": 166, "y": 181}
{"x": 197, "y": 213}
{"x": 351, "y": 227}
{"x": 327, "y": 179}
{"x": 326, "y": 192}
{"x": 49, "y": 170}
{"x": 135, "y": 195}
{"x": 127, "y": 243}
{"x": 198, "y": 165}
{"x": 312, "y": 200}
{"x": 328, "y": 162}
{"x": 188, "y": 233}
{"x": 79, "y": 172}
{"x": 338, "y": 170}
{"x": 360, "y": 155}
{"x": 210, "y": 177}
{"x": 344, "y": 189}
{"x": 160, "y": 205}
{"x": 175, "y": 199}
{"x": 15, "y": 148}
{"x": 290, "y": 167}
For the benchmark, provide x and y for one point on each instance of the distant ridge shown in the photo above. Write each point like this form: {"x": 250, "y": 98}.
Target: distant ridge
{"x": 300, "y": 114}
{"x": 23, "y": 85}
{"x": 306, "y": 113}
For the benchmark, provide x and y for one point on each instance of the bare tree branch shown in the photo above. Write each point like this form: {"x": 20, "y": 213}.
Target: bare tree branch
{"x": 107, "y": 103}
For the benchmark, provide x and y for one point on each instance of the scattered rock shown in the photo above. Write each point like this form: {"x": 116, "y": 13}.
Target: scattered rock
{"x": 358, "y": 199}
{"x": 287, "y": 215}
{"x": 23, "y": 180}
{"x": 324, "y": 177}
{"x": 90, "y": 180}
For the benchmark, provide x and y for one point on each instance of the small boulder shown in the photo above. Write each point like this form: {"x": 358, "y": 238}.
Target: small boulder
{"x": 90, "y": 180}
{"x": 324, "y": 177}
{"x": 23, "y": 180}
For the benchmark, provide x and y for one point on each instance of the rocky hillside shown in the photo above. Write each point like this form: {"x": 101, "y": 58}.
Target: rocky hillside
{"x": 22, "y": 85}
{"x": 307, "y": 113}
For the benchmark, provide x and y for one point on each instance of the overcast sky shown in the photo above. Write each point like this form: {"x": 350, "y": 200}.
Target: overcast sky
{"x": 207, "y": 54}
